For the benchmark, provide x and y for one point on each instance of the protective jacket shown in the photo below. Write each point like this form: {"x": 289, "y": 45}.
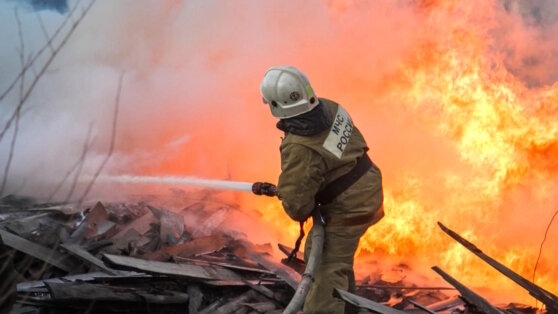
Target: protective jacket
{"x": 318, "y": 148}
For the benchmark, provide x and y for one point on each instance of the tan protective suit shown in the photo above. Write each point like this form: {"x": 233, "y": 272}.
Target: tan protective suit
{"x": 308, "y": 164}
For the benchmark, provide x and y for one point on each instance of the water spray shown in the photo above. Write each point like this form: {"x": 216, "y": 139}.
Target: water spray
{"x": 258, "y": 188}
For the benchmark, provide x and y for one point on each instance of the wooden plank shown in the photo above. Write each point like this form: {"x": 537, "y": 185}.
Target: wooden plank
{"x": 67, "y": 209}
{"x": 105, "y": 229}
{"x": 241, "y": 282}
{"x": 196, "y": 298}
{"x": 28, "y": 285}
{"x": 235, "y": 303}
{"x": 47, "y": 255}
{"x": 420, "y": 306}
{"x": 122, "y": 242}
{"x": 141, "y": 225}
{"x": 261, "y": 307}
{"x": 77, "y": 291}
{"x": 88, "y": 258}
{"x": 88, "y": 227}
{"x": 449, "y": 304}
{"x": 26, "y": 225}
{"x": 365, "y": 303}
{"x": 212, "y": 307}
{"x": 261, "y": 289}
{"x": 172, "y": 269}
{"x": 203, "y": 245}
{"x": 546, "y": 297}
{"x": 469, "y": 295}
{"x": 398, "y": 287}
{"x": 269, "y": 295}
{"x": 226, "y": 265}
{"x": 291, "y": 277}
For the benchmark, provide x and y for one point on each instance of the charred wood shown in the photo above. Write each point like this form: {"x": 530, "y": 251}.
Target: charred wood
{"x": 361, "y": 302}
{"x": 79, "y": 291}
{"x": 420, "y": 306}
{"x": 546, "y": 297}
{"x": 171, "y": 269}
{"x": 469, "y": 295}
{"x": 88, "y": 258}
{"x": 235, "y": 303}
{"x": 196, "y": 298}
{"x": 47, "y": 255}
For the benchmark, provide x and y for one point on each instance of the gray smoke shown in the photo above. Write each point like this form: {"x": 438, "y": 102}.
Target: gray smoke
{"x": 530, "y": 43}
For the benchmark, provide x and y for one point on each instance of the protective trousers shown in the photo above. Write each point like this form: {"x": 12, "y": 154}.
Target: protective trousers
{"x": 335, "y": 269}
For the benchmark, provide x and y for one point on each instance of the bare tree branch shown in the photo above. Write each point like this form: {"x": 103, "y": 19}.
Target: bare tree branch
{"x": 33, "y": 67}
{"x": 21, "y": 89}
{"x": 45, "y": 66}
{"x": 38, "y": 54}
{"x": 540, "y": 253}
{"x": 80, "y": 163}
{"x": 45, "y": 32}
{"x": 11, "y": 154}
{"x": 112, "y": 140}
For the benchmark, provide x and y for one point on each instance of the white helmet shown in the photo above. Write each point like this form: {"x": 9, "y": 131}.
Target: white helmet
{"x": 288, "y": 92}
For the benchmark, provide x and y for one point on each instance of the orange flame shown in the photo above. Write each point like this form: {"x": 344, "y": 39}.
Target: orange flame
{"x": 505, "y": 135}
{"x": 459, "y": 137}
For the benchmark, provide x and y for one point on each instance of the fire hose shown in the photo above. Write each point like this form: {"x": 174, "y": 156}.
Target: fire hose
{"x": 318, "y": 234}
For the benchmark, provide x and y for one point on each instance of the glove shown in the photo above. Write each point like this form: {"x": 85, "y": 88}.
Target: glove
{"x": 264, "y": 188}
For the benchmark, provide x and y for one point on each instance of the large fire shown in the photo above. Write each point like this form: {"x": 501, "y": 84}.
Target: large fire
{"x": 459, "y": 117}
{"x": 479, "y": 154}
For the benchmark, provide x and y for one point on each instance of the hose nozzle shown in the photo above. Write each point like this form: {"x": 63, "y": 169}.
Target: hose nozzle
{"x": 264, "y": 188}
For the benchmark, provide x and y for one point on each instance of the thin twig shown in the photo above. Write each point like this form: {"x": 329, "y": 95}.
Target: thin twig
{"x": 80, "y": 163}
{"x": 10, "y": 156}
{"x": 33, "y": 69}
{"x": 540, "y": 252}
{"x": 45, "y": 66}
{"x": 72, "y": 169}
{"x": 45, "y": 32}
{"x": 112, "y": 140}
{"x": 21, "y": 89}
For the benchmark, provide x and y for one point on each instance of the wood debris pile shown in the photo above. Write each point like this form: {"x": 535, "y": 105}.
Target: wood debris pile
{"x": 138, "y": 258}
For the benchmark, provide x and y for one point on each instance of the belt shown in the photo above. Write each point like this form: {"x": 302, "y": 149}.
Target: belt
{"x": 334, "y": 189}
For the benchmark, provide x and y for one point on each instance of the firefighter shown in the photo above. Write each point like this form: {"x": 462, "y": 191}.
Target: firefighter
{"x": 324, "y": 165}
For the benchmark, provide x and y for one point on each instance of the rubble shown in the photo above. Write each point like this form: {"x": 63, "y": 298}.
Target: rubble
{"x": 365, "y": 303}
{"x": 141, "y": 257}
{"x": 128, "y": 258}
{"x": 546, "y": 297}
{"x": 468, "y": 295}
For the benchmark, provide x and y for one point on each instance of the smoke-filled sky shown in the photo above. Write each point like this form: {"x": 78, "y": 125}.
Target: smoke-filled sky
{"x": 457, "y": 101}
